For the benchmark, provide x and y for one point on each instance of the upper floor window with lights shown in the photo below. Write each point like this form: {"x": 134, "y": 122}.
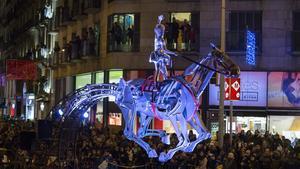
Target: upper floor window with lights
{"x": 182, "y": 31}
{"x": 296, "y": 32}
{"x": 239, "y": 23}
{"x": 123, "y": 32}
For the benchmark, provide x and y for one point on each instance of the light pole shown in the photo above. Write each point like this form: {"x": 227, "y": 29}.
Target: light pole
{"x": 221, "y": 103}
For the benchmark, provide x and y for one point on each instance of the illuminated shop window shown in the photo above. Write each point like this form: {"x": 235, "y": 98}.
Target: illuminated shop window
{"x": 82, "y": 80}
{"x": 115, "y": 119}
{"x": 99, "y": 77}
{"x": 123, "y": 32}
{"x": 99, "y": 113}
{"x": 114, "y": 77}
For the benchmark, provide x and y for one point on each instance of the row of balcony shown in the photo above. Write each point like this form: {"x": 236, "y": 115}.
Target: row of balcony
{"x": 79, "y": 10}
{"x": 73, "y": 52}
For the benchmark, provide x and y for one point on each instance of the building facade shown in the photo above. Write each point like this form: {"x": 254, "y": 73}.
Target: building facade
{"x": 96, "y": 41}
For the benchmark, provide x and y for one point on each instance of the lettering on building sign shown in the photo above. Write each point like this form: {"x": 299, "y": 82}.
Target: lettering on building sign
{"x": 250, "y": 48}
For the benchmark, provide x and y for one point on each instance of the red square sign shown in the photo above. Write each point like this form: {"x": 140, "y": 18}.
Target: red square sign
{"x": 232, "y": 88}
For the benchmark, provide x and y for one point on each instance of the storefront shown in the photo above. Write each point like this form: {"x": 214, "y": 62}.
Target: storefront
{"x": 95, "y": 113}
{"x": 246, "y": 123}
{"x": 270, "y": 101}
{"x": 284, "y": 100}
{"x": 288, "y": 126}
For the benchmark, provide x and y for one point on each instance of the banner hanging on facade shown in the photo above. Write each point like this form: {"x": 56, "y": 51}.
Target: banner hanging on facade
{"x": 232, "y": 88}
{"x": 253, "y": 90}
{"x": 284, "y": 89}
{"x": 20, "y": 70}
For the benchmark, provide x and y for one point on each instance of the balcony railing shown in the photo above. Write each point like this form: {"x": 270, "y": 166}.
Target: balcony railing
{"x": 295, "y": 41}
{"x": 236, "y": 41}
{"x": 73, "y": 52}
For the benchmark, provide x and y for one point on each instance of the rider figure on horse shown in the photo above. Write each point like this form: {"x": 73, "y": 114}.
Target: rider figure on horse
{"x": 161, "y": 55}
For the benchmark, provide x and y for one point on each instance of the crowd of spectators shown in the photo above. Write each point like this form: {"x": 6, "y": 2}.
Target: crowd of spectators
{"x": 99, "y": 148}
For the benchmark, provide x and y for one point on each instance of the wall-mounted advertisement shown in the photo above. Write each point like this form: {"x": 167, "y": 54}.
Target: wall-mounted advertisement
{"x": 284, "y": 89}
{"x": 253, "y": 90}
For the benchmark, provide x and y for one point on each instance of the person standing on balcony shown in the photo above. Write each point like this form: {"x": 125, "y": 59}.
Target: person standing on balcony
{"x": 186, "y": 28}
{"x": 161, "y": 55}
{"x": 116, "y": 36}
{"x": 92, "y": 41}
{"x": 175, "y": 32}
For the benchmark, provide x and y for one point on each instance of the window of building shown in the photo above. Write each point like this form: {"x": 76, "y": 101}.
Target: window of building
{"x": 115, "y": 119}
{"x": 246, "y": 123}
{"x": 82, "y": 80}
{"x": 239, "y": 23}
{"x": 123, "y": 32}
{"x": 99, "y": 77}
{"x": 182, "y": 31}
{"x": 99, "y": 113}
{"x": 296, "y": 32}
{"x": 114, "y": 77}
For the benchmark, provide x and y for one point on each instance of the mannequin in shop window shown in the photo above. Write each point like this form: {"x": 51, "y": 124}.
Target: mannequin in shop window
{"x": 161, "y": 55}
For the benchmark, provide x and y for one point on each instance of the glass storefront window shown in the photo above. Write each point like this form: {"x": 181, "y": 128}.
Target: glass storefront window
{"x": 114, "y": 77}
{"x": 99, "y": 77}
{"x": 115, "y": 119}
{"x": 82, "y": 80}
{"x": 30, "y": 106}
{"x": 287, "y": 126}
{"x": 246, "y": 123}
{"x": 99, "y": 113}
{"x": 123, "y": 35}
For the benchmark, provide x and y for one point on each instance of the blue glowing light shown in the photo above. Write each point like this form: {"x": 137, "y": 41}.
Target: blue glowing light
{"x": 60, "y": 112}
{"x": 85, "y": 115}
{"x": 250, "y": 48}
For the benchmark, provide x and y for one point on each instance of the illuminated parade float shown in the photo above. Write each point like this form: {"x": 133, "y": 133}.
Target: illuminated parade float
{"x": 174, "y": 98}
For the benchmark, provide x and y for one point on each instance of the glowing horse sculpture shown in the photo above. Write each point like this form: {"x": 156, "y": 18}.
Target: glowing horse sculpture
{"x": 176, "y": 100}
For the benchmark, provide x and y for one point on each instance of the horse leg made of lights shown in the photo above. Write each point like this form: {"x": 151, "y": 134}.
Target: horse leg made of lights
{"x": 126, "y": 103}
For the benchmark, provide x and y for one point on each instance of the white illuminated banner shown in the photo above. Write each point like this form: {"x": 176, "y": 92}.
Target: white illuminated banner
{"x": 253, "y": 90}
{"x": 284, "y": 89}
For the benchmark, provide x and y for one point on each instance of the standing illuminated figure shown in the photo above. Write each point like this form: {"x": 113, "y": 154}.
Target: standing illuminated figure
{"x": 161, "y": 55}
